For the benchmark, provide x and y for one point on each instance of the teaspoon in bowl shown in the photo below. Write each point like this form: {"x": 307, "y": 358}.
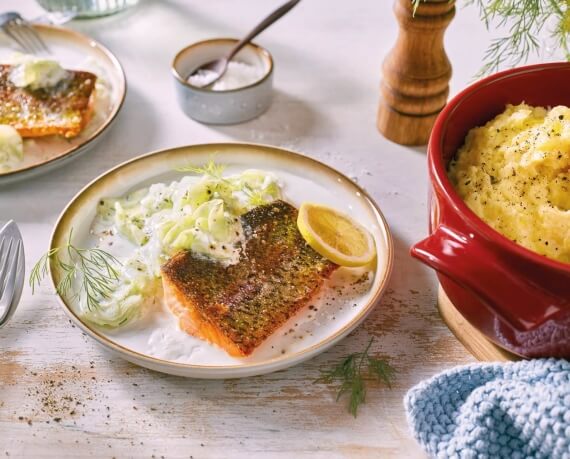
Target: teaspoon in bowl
{"x": 219, "y": 66}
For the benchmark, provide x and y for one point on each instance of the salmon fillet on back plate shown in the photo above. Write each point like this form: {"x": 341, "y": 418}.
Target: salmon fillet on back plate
{"x": 63, "y": 110}
{"x": 237, "y": 307}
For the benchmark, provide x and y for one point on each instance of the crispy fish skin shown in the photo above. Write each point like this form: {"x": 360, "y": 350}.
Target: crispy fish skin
{"x": 238, "y": 306}
{"x": 63, "y": 110}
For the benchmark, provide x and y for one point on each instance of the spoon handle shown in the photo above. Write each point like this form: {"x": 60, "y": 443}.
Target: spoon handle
{"x": 277, "y": 14}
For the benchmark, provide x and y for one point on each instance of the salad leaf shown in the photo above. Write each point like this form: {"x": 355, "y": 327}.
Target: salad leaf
{"x": 133, "y": 288}
{"x": 11, "y": 147}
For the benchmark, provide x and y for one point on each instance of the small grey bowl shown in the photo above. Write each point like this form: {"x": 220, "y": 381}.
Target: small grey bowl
{"x": 228, "y": 106}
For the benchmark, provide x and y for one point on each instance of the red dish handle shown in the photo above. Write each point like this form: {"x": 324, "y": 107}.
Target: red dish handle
{"x": 475, "y": 266}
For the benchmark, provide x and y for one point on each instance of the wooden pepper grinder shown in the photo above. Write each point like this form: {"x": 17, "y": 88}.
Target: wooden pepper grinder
{"x": 416, "y": 72}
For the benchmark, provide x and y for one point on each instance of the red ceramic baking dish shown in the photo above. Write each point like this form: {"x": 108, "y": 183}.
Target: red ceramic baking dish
{"x": 517, "y": 298}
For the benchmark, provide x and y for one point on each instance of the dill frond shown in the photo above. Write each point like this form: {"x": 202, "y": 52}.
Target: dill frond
{"x": 524, "y": 22}
{"x": 211, "y": 168}
{"x": 352, "y": 373}
{"x": 95, "y": 271}
{"x": 40, "y": 269}
{"x": 256, "y": 198}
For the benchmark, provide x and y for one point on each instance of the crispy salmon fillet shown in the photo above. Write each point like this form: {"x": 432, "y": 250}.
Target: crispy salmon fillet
{"x": 237, "y": 307}
{"x": 64, "y": 109}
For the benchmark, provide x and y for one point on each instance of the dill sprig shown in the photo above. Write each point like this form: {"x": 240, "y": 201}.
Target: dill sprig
{"x": 353, "y": 371}
{"x": 211, "y": 168}
{"x": 255, "y": 197}
{"x": 94, "y": 269}
{"x": 524, "y": 21}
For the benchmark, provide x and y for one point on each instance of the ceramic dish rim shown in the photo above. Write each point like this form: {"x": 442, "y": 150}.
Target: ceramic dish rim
{"x": 294, "y": 357}
{"x": 438, "y": 168}
{"x": 258, "y": 49}
{"x": 108, "y": 120}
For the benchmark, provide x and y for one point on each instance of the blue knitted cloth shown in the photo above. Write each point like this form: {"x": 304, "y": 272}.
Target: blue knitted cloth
{"x": 509, "y": 410}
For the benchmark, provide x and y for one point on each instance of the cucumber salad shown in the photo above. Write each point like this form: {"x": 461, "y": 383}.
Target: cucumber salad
{"x": 148, "y": 226}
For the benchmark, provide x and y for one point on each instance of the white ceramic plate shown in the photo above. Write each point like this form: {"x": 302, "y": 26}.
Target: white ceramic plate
{"x": 156, "y": 342}
{"x": 76, "y": 52}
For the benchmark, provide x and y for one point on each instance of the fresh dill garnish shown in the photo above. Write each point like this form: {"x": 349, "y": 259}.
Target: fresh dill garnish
{"x": 255, "y": 196}
{"x": 211, "y": 168}
{"x": 94, "y": 269}
{"x": 353, "y": 372}
{"x": 524, "y": 21}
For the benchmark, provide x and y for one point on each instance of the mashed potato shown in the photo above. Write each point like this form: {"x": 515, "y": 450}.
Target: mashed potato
{"x": 514, "y": 173}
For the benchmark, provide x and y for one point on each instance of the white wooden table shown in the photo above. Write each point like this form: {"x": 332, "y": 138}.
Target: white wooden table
{"x": 63, "y": 396}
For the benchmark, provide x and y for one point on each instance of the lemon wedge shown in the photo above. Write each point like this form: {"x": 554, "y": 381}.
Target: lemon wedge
{"x": 336, "y": 236}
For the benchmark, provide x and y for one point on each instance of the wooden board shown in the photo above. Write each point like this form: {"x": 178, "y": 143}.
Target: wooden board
{"x": 474, "y": 341}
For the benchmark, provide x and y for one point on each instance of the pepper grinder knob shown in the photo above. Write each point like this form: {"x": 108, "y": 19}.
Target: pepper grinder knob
{"x": 416, "y": 72}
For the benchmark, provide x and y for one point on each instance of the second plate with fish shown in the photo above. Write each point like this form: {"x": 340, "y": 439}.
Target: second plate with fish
{"x": 75, "y": 52}
{"x": 154, "y": 338}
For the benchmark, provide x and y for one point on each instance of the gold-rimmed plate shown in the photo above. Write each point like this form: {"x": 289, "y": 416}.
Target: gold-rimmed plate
{"x": 155, "y": 342}
{"x": 74, "y": 51}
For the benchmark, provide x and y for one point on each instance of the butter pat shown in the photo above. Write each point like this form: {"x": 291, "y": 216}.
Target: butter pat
{"x": 36, "y": 73}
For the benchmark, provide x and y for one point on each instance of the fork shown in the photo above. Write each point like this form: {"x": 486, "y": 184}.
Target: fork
{"x": 20, "y": 30}
{"x": 12, "y": 268}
